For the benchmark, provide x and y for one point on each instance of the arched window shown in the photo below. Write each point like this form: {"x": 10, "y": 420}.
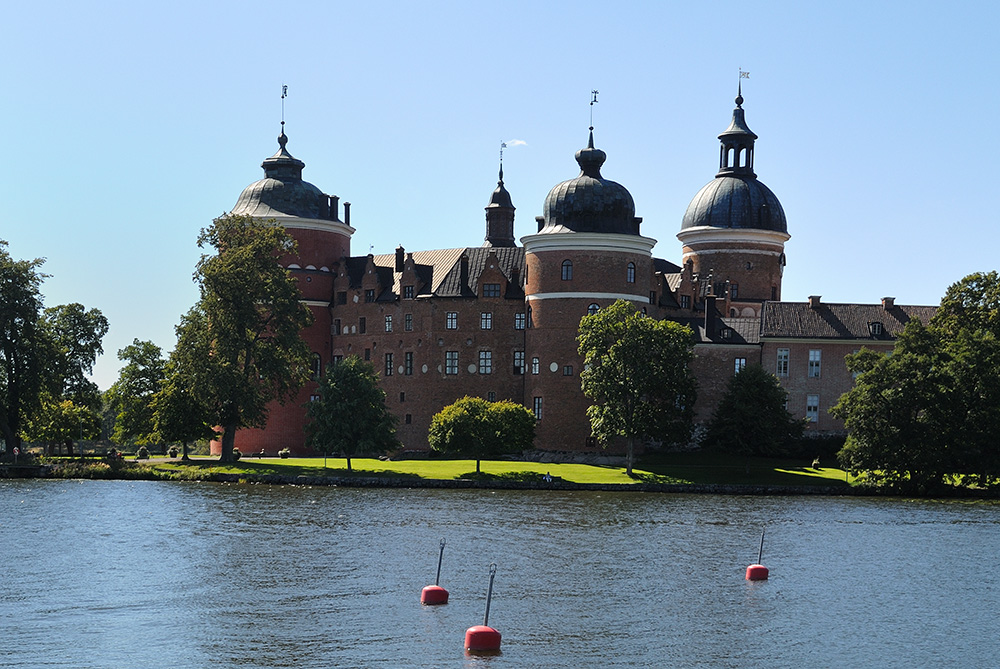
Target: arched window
{"x": 630, "y": 273}
{"x": 593, "y": 309}
{"x": 317, "y": 366}
{"x": 567, "y": 270}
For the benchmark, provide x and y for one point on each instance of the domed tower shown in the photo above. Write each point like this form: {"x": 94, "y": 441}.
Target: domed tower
{"x": 734, "y": 230}
{"x": 586, "y": 254}
{"x": 312, "y": 219}
{"x": 500, "y": 217}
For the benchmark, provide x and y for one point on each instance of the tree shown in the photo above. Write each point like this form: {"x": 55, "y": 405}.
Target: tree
{"x": 350, "y": 415}
{"x": 23, "y": 348}
{"x": 636, "y": 371}
{"x": 132, "y": 394}
{"x": 59, "y": 422}
{"x": 474, "y": 428}
{"x": 177, "y": 414}
{"x": 76, "y": 333}
{"x": 239, "y": 347}
{"x": 751, "y": 418}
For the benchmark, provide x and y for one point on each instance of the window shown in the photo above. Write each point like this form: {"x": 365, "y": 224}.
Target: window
{"x": 491, "y": 396}
{"x": 519, "y": 320}
{"x": 486, "y": 320}
{"x": 726, "y": 333}
{"x": 534, "y": 365}
{"x": 734, "y": 291}
{"x": 652, "y": 297}
{"x": 451, "y": 362}
{"x": 337, "y": 358}
{"x": 388, "y": 364}
{"x": 402, "y": 396}
{"x": 740, "y": 365}
{"x": 812, "y": 408}
{"x": 451, "y": 320}
{"x": 875, "y": 329}
{"x": 567, "y": 370}
{"x": 336, "y": 326}
{"x": 408, "y": 419}
{"x": 314, "y": 398}
{"x": 685, "y": 301}
{"x": 408, "y": 363}
{"x": 486, "y": 362}
{"x": 630, "y": 273}
{"x": 530, "y": 323}
{"x": 341, "y": 297}
{"x": 370, "y": 295}
{"x": 537, "y": 406}
{"x": 388, "y": 323}
{"x": 567, "y": 270}
{"x": 519, "y": 362}
{"x": 491, "y": 290}
{"x": 781, "y": 368}
{"x": 407, "y": 292}
{"x": 317, "y": 366}
{"x": 593, "y": 308}
{"x": 362, "y": 325}
{"x": 815, "y": 358}
{"x": 408, "y": 322}
{"x": 368, "y": 354}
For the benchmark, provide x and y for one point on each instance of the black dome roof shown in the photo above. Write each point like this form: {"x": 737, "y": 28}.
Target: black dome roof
{"x": 735, "y": 202}
{"x": 589, "y": 203}
{"x": 282, "y": 192}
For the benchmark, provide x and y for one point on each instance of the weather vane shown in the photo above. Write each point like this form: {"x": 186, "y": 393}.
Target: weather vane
{"x": 593, "y": 101}
{"x": 284, "y": 94}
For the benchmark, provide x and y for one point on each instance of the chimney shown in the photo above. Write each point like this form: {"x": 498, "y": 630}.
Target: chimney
{"x": 888, "y": 303}
{"x": 814, "y": 301}
{"x": 709, "y": 316}
{"x": 347, "y": 213}
{"x": 334, "y": 207}
{"x": 324, "y": 207}
{"x": 464, "y": 272}
{"x": 399, "y": 258}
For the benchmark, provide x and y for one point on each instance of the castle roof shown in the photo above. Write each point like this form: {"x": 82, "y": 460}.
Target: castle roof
{"x": 818, "y": 320}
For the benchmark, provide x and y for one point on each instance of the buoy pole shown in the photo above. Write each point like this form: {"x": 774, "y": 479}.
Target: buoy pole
{"x": 758, "y": 572}
{"x": 483, "y": 638}
{"x": 435, "y": 594}
{"x": 760, "y": 553}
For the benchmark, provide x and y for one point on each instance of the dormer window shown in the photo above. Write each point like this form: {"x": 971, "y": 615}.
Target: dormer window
{"x": 875, "y": 329}
{"x": 491, "y": 290}
{"x": 726, "y": 333}
{"x": 407, "y": 292}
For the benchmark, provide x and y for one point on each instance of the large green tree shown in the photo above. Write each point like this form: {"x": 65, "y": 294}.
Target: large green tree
{"x": 178, "y": 417}
{"x": 636, "y": 370}
{"x": 59, "y": 422}
{"x": 751, "y": 418}
{"x": 475, "y": 428}
{"x": 76, "y": 334}
{"x": 24, "y": 351}
{"x": 350, "y": 415}
{"x": 240, "y": 347}
{"x": 132, "y": 394}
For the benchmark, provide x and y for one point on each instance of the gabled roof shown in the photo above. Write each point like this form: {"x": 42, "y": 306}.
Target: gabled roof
{"x": 444, "y": 266}
{"x": 838, "y": 321}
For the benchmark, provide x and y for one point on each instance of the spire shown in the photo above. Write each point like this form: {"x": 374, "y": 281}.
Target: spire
{"x": 590, "y": 159}
{"x": 500, "y": 213}
{"x": 736, "y": 157}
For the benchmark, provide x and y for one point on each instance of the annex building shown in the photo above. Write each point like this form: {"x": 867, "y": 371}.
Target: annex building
{"x": 499, "y": 320}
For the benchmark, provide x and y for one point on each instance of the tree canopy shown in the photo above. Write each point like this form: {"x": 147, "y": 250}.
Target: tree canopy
{"x": 931, "y": 409}
{"x": 239, "y": 348}
{"x": 636, "y": 370}
{"x": 350, "y": 415}
{"x": 131, "y": 396}
{"x": 475, "y": 428}
{"x": 177, "y": 414}
{"x": 751, "y": 418}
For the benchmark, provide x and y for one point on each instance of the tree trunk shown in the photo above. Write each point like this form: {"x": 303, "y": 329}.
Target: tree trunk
{"x": 184, "y": 451}
{"x": 629, "y": 443}
{"x": 348, "y": 463}
{"x": 228, "y": 440}
{"x": 477, "y": 466}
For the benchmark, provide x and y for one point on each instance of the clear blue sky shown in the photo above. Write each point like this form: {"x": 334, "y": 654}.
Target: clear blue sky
{"x": 130, "y": 126}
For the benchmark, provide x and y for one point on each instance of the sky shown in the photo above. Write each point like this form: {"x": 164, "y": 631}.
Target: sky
{"x": 130, "y": 126}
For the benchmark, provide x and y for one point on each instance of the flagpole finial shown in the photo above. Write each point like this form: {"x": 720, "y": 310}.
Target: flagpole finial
{"x": 284, "y": 94}
{"x": 739, "y": 87}
{"x": 503, "y": 145}
{"x": 593, "y": 101}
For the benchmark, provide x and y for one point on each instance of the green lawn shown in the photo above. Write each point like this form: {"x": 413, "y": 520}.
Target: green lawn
{"x": 672, "y": 468}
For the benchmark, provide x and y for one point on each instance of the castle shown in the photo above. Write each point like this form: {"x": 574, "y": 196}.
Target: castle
{"x": 499, "y": 321}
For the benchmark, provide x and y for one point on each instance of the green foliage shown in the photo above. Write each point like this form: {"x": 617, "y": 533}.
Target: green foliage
{"x": 131, "y": 396}
{"x": 472, "y": 427}
{"x": 60, "y": 422}
{"x": 636, "y": 369}
{"x": 350, "y": 415}
{"x": 75, "y": 335}
{"x": 931, "y": 409}
{"x": 178, "y": 416}
{"x": 751, "y": 418}
{"x": 239, "y": 348}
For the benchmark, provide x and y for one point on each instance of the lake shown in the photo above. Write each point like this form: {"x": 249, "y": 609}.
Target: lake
{"x": 170, "y": 574}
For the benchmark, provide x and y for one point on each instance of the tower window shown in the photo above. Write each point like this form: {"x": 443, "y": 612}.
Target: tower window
{"x": 630, "y": 273}
{"x": 593, "y": 309}
{"x": 567, "y": 270}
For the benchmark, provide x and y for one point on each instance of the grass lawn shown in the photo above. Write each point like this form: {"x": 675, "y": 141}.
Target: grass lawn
{"x": 671, "y": 468}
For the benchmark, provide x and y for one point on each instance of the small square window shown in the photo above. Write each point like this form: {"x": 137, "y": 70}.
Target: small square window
{"x": 567, "y": 370}
{"x": 491, "y": 290}
{"x": 491, "y": 396}
{"x": 407, "y": 292}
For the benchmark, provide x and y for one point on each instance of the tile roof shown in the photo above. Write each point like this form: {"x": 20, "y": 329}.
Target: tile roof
{"x": 838, "y": 321}
{"x": 444, "y": 268}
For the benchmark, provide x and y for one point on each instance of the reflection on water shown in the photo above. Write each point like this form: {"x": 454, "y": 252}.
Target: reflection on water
{"x": 157, "y": 574}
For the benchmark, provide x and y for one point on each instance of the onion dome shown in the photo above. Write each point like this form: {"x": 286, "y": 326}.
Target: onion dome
{"x": 282, "y": 192}
{"x": 589, "y": 203}
{"x": 500, "y": 217}
{"x": 735, "y": 198}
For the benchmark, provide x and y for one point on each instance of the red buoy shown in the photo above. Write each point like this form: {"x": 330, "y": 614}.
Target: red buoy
{"x": 756, "y": 572}
{"x": 482, "y": 638}
{"x": 433, "y": 594}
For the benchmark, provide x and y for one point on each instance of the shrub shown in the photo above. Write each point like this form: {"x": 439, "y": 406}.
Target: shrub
{"x": 236, "y": 454}
{"x": 284, "y": 453}
{"x": 173, "y": 451}
{"x": 142, "y": 453}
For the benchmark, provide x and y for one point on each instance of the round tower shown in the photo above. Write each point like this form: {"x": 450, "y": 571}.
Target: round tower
{"x": 586, "y": 254}
{"x": 734, "y": 230}
{"x": 312, "y": 218}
